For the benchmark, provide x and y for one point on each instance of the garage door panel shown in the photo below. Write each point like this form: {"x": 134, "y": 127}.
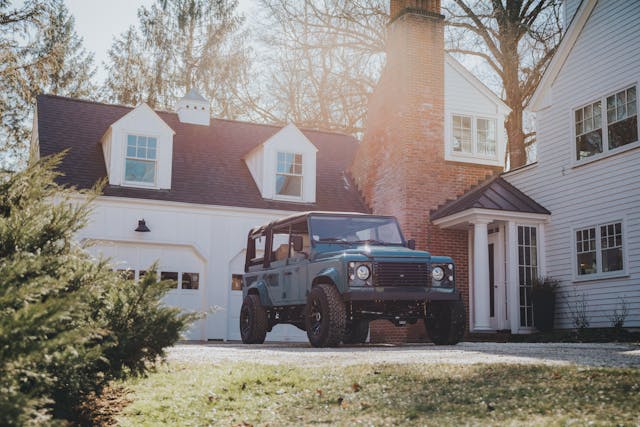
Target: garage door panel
{"x": 173, "y": 259}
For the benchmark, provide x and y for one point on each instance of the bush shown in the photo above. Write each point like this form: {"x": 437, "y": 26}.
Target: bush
{"x": 68, "y": 324}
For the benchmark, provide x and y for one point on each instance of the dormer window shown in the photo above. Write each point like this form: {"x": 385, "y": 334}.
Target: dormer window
{"x": 289, "y": 174}
{"x": 474, "y": 135}
{"x": 141, "y": 159}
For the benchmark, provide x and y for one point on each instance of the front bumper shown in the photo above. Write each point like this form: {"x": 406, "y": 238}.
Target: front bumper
{"x": 400, "y": 293}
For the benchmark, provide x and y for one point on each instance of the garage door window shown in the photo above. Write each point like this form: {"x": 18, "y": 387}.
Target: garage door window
{"x": 169, "y": 275}
{"x": 190, "y": 280}
{"x": 127, "y": 274}
{"x": 236, "y": 282}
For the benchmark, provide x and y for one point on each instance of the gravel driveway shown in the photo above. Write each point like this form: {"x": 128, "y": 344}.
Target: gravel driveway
{"x": 301, "y": 354}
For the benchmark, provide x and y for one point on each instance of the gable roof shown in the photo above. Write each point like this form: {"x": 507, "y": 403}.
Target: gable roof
{"x": 207, "y": 160}
{"x": 495, "y": 194}
{"x": 539, "y": 99}
{"x": 475, "y": 82}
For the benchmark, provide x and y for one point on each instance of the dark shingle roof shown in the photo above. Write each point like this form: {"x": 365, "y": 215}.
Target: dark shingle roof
{"x": 495, "y": 194}
{"x": 207, "y": 161}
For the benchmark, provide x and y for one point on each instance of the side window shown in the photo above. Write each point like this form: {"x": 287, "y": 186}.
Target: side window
{"x": 280, "y": 245}
{"x": 599, "y": 249}
{"x": 255, "y": 251}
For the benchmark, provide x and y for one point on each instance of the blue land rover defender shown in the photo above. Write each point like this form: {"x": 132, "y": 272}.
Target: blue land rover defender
{"x": 331, "y": 273}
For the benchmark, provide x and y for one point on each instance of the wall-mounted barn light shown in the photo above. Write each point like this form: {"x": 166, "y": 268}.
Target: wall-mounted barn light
{"x": 142, "y": 226}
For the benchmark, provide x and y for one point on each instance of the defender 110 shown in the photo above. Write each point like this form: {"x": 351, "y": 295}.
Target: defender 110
{"x": 330, "y": 274}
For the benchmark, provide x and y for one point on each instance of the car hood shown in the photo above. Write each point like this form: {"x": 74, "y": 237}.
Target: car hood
{"x": 377, "y": 252}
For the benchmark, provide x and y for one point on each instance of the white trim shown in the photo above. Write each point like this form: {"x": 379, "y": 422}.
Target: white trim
{"x": 541, "y": 97}
{"x": 476, "y": 214}
{"x": 97, "y": 240}
{"x": 144, "y": 106}
{"x": 473, "y": 156}
{"x": 179, "y": 207}
{"x": 576, "y": 278}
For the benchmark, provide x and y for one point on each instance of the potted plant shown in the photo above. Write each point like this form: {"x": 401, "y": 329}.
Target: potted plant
{"x": 543, "y": 298}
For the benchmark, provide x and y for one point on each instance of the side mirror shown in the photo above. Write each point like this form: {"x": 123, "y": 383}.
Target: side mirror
{"x": 297, "y": 243}
{"x": 411, "y": 244}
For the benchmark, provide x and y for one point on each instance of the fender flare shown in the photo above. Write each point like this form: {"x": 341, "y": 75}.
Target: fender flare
{"x": 328, "y": 274}
{"x": 260, "y": 288}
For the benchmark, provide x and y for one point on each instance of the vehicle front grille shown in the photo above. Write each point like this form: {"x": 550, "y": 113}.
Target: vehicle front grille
{"x": 400, "y": 274}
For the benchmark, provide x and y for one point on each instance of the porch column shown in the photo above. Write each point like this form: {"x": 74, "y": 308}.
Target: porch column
{"x": 513, "y": 287}
{"x": 481, "y": 293}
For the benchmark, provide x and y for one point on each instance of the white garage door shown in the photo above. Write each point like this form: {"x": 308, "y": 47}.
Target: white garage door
{"x": 287, "y": 333}
{"x": 179, "y": 263}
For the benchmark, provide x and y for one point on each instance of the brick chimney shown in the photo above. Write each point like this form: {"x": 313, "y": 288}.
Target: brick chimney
{"x": 400, "y": 167}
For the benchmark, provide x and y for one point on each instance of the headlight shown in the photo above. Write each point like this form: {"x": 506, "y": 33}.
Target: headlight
{"x": 437, "y": 273}
{"x": 363, "y": 272}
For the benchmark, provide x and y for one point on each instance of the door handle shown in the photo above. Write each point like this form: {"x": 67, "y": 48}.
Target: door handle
{"x": 288, "y": 273}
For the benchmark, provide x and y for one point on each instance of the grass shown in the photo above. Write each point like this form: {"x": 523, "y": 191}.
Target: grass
{"x": 240, "y": 394}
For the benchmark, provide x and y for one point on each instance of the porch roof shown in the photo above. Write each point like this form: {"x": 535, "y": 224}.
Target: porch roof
{"x": 495, "y": 194}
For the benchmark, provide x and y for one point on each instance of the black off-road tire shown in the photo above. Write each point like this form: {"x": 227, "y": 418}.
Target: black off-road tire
{"x": 253, "y": 320}
{"x": 445, "y": 322}
{"x": 356, "y": 332}
{"x": 325, "y": 316}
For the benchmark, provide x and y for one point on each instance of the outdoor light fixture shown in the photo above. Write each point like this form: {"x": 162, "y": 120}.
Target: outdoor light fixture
{"x": 142, "y": 227}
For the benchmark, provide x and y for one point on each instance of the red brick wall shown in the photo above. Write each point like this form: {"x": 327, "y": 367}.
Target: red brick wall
{"x": 400, "y": 167}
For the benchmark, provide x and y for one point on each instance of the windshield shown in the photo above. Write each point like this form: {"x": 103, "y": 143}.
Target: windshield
{"x": 359, "y": 229}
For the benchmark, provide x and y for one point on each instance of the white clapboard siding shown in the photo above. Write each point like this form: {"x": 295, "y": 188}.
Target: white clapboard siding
{"x": 605, "y": 58}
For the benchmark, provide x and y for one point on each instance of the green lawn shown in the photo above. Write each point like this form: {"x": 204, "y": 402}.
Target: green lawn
{"x": 242, "y": 394}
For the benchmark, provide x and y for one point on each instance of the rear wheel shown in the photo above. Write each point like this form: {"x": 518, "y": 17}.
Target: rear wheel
{"x": 326, "y": 316}
{"x": 253, "y": 320}
{"x": 356, "y": 332}
{"x": 445, "y": 322}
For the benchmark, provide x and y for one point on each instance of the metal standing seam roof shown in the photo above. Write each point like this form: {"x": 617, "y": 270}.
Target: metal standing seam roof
{"x": 495, "y": 194}
{"x": 208, "y": 166}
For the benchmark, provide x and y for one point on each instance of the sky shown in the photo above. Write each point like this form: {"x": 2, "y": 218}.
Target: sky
{"x": 99, "y": 21}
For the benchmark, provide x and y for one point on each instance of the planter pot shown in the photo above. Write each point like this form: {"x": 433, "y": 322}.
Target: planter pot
{"x": 544, "y": 304}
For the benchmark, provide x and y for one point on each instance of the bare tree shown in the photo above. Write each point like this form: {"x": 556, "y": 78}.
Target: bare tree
{"x": 179, "y": 45}
{"x": 517, "y": 39}
{"x": 324, "y": 57}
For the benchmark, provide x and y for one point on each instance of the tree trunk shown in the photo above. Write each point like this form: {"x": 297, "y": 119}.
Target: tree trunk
{"x": 515, "y": 136}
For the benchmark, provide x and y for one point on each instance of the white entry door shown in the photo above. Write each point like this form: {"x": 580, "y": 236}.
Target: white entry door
{"x": 497, "y": 289}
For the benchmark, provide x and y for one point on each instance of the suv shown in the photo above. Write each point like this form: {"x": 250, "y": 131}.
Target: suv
{"x": 330, "y": 274}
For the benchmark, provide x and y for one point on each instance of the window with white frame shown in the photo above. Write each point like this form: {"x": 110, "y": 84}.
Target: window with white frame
{"x": 474, "y": 135}
{"x": 527, "y": 270}
{"x": 289, "y": 174}
{"x": 622, "y": 118}
{"x": 141, "y": 159}
{"x": 596, "y": 133}
{"x": 599, "y": 249}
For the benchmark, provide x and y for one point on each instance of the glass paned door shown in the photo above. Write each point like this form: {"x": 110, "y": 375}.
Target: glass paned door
{"x": 527, "y": 270}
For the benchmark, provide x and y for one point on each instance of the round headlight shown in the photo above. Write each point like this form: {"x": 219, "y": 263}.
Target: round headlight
{"x": 437, "y": 274}
{"x": 363, "y": 272}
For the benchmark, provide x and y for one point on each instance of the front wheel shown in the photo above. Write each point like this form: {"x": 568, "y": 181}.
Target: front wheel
{"x": 326, "y": 316}
{"x": 445, "y": 322}
{"x": 253, "y": 320}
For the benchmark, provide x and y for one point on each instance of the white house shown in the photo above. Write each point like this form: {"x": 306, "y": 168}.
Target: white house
{"x": 199, "y": 184}
{"x": 576, "y": 215}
